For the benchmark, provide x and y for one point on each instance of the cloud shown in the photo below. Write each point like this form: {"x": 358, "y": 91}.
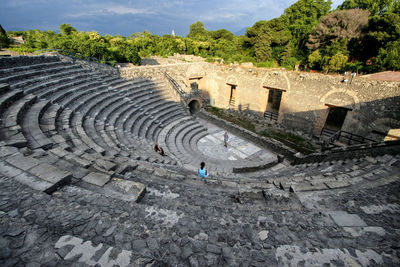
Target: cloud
{"x": 217, "y": 16}
{"x": 108, "y": 9}
{"x": 127, "y": 16}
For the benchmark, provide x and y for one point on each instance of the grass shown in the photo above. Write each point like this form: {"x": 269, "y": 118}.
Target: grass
{"x": 291, "y": 140}
{"x": 242, "y": 122}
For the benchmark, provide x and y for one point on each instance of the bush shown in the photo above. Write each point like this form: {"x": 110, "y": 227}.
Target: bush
{"x": 338, "y": 62}
{"x": 267, "y": 64}
{"x": 354, "y": 66}
{"x": 389, "y": 57}
{"x": 4, "y": 41}
{"x": 290, "y": 63}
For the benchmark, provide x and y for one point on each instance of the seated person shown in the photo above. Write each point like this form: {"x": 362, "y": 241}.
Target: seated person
{"x": 156, "y": 148}
{"x": 202, "y": 171}
{"x": 161, "y": 151}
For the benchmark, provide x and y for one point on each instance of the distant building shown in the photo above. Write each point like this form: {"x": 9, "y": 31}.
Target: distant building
{"x": 173, "y": 32}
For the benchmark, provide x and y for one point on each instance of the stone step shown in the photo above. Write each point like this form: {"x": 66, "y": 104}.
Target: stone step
{"x": 156, "y": 113}
{"x": 11, "y": 70}
{"x": 36, "y": 78}
{"x": 9, "y": 98}
{"x": 4, "y": 87}
{"x": 18, "y": 74}
{"x": 31, "y": 127}
{"x": 12, "y": 116}
{"x": 79, "y": 94}
{"x": 35, "y": 174}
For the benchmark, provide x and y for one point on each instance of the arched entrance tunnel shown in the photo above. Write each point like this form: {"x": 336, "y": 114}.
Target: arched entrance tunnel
{"x": 194, "y": 106}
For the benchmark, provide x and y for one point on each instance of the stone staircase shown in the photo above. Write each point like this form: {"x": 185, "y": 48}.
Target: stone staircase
{"x": 81, "y": 184}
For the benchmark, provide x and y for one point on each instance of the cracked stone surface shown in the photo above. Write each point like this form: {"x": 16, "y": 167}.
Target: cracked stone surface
{"x": 194, "y": 224}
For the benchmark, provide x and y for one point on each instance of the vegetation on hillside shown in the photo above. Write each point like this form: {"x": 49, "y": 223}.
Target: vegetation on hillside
{"x": 361, "y": 35}
{"x": 4, "y": 40}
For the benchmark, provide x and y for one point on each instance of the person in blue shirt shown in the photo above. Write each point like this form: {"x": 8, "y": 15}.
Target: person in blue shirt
{"x": 202, "y": 171}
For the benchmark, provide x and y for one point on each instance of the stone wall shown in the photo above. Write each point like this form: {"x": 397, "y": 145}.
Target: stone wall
{"x": 372, "y": 105}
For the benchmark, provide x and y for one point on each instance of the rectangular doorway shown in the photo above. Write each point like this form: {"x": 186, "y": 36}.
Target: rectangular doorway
{"x": 232, "y": 96}
{"x": 274, "y": 100}
{"x": 335, "y": 118}
{"x": 194, "y": 83}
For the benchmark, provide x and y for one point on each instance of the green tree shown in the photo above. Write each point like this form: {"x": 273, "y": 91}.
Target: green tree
{"x": 67, "y": 29}
{"x": 338, "y": 25}
{"x": 315, "y": 60}
{"x": 389, "y": 56}
{"x": 338, "y": 62}
{"x": 269, "y": 40}
{"x": 4, "y": 40}
{"x": 197, "y": 31}
{"x": 376, "y": 7}
{"x": 301, "y": 17}
{"x": 221, "y": 34}
{"x": 259, "y": 37}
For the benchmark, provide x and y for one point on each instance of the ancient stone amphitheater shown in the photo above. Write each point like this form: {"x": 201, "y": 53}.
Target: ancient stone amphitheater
{"x": 80, "y": 183}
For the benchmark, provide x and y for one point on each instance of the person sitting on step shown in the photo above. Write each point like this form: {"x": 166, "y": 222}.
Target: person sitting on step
{"x": 156, "y": 148}
{"x": 159, "y": 150}
{"x": 202, "y": 171}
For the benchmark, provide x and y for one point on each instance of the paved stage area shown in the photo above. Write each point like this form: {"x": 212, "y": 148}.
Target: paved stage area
{"x": 212, "y": 146}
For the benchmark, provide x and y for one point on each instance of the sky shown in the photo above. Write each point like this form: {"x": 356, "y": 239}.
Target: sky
{"x": 130, "y": 16}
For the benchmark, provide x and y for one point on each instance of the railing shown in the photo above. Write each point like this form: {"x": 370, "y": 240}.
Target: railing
{"x": 77, "y": 55}
{"x": 175, "y": 85}
{"x": 232, "y": 102}
{"x": 343, "y": 136}
{"x": 354, "y": 138}
{"x": 332, "y": 137}
{"x": 327, "y": 132}
{"x": 271, "y": 115}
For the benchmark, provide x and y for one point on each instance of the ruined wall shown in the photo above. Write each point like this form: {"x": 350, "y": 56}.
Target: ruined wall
{"x": 306, "y": 97}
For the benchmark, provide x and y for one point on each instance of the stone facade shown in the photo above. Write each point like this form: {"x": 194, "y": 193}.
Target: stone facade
{"x": 372, "y": 106}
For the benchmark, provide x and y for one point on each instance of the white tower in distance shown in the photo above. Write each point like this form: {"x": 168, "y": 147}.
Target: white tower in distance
{"x": 173, "y": 32}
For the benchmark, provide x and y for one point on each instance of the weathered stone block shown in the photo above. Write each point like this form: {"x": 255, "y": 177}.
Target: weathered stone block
{"x": 132, "y": 191}
{"x": 343, "y": 218}
{"x": 97, "y": 178}
{"x": 51, "y": 174}
{"x": 35, "y": 182}
{"x": 24, "y": 163}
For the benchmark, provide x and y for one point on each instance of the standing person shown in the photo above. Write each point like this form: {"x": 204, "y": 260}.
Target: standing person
{"x": 202, "y": 171}
{"x": 226, "y": 139}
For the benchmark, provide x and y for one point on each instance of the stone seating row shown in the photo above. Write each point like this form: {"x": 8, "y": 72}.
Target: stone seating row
{"x": 31, "y": 172}
{"x": 33, "y": 129}
{"x": 10, "y": 105}
{"x": 46, "y": 175}
{"x": 352, "y": 175}
{"x": 23, "y": 61}
{"x": 51, "y": 127}
{"x": 334, "y": 167}
{"x": 9, "y": 71}
{"x": 24, "y": 78}
{"x": 47, "y": 112}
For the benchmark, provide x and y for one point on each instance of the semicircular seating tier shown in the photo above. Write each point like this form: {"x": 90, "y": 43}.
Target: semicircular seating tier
{"x": 65, "y": 108}
{"x": 80, "y": 122}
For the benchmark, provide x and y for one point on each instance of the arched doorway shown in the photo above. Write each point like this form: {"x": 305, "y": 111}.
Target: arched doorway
{"x": 194, "y": 106}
